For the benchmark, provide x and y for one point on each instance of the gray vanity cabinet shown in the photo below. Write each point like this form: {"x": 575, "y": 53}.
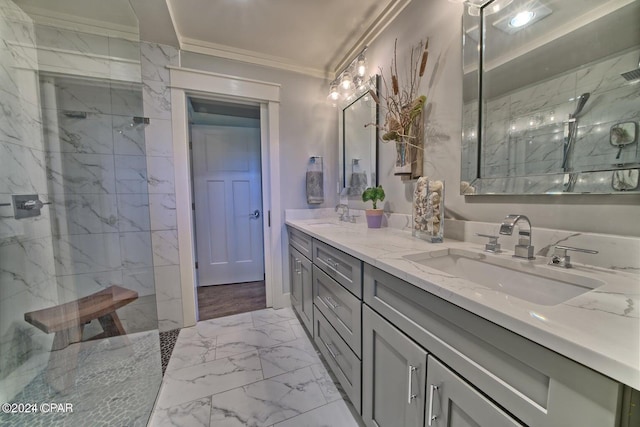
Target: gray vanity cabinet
{"x": 452, "y": 402}
{"x": 535, "y": 385}
{"x": 394, "y": 370}
{"x": 300, "y": 275}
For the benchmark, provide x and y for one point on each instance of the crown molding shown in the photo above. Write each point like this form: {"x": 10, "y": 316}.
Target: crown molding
{"x": 84, "y": 25}
{"x": 383, "y": 20}
{"x": 252, "y": 57}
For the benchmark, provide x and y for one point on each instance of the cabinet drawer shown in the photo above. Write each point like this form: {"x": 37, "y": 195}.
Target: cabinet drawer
{"x": 301, "y": 241}
{"x": 342, "y": 267}
{"x": 341, "y": 308}
{"x": 536, "y": 385}
{"x": 342, "y": 361}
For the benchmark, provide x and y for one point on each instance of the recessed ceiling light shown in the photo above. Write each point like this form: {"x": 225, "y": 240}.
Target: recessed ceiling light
{"x": 521, "y": 19}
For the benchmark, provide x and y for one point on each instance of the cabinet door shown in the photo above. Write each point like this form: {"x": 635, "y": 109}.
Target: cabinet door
{"x": 295, "y": 278}
{"x": 393, "y": 376}
{"x": 452, "y": 402}
{"x": 306, "y": 286}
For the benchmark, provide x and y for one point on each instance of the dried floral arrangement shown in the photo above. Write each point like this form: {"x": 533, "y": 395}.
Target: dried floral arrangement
{"x": 403, "y": 110}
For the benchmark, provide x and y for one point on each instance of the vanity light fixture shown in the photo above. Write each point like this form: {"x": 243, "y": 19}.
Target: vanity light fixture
{"x": 350, "y": 81}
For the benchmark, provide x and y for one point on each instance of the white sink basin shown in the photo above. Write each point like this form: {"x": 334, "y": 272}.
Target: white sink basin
{"x": 536, "y": 283}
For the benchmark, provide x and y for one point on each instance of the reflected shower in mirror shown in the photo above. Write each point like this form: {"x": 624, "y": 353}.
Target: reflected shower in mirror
{"x": 551, "y": 95}
{"x": 358, "y": 143}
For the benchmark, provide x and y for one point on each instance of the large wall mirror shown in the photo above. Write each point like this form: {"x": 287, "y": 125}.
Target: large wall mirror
{"x": 551, "y": 96}
{"x": 359, "y": 142}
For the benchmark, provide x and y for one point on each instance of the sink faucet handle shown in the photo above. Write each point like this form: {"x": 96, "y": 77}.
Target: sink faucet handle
{"x": 492, "y": 245}
{"x": 560, "y": 257}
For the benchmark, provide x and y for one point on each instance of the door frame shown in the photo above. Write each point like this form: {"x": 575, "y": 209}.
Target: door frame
{"x": 189, "y": 82}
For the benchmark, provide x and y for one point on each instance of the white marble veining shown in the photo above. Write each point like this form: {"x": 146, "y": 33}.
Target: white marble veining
{"x": 133, "y": 212}
{"x": 135, "y": 249}
{"x": 158, "y": 138}
{"x": 194, "y": 382}
{"x": 255, "y": 338}
{"x": 205, "y": 388}
{"x": 154, "y": 58}
{"x": 600, "y": 329}
{"x": 156, "y": 100}
{"x": 165, "y": 247}
{"x": 162, "y": 209}
{"x": 131, "y": 174}
{"x": 161, "y": 175}
{"x": 169, "y": 297}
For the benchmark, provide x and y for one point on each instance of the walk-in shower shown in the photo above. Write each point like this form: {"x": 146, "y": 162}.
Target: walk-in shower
{"x": 78, "y": 311}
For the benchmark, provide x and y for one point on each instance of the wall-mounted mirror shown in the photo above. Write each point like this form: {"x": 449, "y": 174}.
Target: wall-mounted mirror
{"x": 546, "y": 82}
{"x": 358, "y": 142}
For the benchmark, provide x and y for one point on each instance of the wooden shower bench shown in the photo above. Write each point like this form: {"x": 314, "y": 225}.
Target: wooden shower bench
{"x": 68, "y": 320}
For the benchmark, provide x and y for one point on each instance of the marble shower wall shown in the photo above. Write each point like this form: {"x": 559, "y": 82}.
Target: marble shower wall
{"x": 524, "y": 129}
{"x": 160, "y": 177}
{"x": 96, "y": 167}
{"x": 27, "y": 272}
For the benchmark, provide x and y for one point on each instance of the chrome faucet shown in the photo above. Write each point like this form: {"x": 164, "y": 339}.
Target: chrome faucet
{"x": 344, "y": 214}
{"x": 523, "y": 249}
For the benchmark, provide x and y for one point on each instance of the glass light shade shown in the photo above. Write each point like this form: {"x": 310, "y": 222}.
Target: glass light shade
{"x": 334, "y": 95}
{"x": 361, "y": 66}
{"x": 346, "y": 82}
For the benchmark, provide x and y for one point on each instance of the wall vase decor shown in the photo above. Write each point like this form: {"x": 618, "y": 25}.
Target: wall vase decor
{"x": 403, "y": 110}
{"x": 403, "y": 158}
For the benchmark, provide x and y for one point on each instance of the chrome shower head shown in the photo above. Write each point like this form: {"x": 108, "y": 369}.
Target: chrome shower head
{"x": 582, "y": 100}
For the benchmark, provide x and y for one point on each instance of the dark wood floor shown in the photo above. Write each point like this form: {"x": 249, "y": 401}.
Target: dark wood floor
{"x": 225, "y": 300}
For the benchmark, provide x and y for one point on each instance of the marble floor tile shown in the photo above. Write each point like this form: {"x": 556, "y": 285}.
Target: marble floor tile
{"x": 192, "y": 348}
{"x": 269, "y": 315}
{"x": 191, "y": 414}
{"x": 297, "y": 328}
{"x": 331, "y": 388}
{"x": 254, "y": 338}
{"x": 225, "y": 325}
{"x": 339, "y": 413}
{"x": 194, "y": 382}
{"x": 269, "y": 401}
{"x": 280, "y": 381}
{"x": 288, "y": 357}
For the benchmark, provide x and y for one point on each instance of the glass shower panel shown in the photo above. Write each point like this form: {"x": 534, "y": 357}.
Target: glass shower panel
{"x": 78, "y": 321}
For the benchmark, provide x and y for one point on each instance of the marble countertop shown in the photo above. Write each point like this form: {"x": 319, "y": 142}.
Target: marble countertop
{"x": 599, "y": 329}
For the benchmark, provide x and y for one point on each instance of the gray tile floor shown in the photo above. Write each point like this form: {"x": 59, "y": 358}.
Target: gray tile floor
{"x": 255, "y": 369}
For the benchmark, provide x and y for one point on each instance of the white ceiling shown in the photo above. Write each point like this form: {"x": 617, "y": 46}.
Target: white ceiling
{"x": 313, "y": 37}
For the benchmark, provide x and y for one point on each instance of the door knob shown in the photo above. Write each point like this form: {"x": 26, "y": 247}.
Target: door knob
{"x": 255, "y": 214}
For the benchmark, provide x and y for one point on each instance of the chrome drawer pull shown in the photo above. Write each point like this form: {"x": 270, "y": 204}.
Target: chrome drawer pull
{"x": 432, "y": 390}
{"x": 331, "y": 303}
{"x": 299, "y": 269}
{"x": 334, "y": 355}
{"x": 410, "y": 395}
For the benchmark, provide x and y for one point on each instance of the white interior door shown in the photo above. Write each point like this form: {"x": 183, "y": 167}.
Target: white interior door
{"x": 228, "y": 204}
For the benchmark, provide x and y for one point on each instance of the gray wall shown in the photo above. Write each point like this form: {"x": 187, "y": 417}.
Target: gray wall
{"x": 308, "y": 124}
{"x": 441, "y": 20}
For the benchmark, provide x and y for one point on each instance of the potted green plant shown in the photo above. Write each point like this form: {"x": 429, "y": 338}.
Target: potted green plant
{"x": 374, "y": 216}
